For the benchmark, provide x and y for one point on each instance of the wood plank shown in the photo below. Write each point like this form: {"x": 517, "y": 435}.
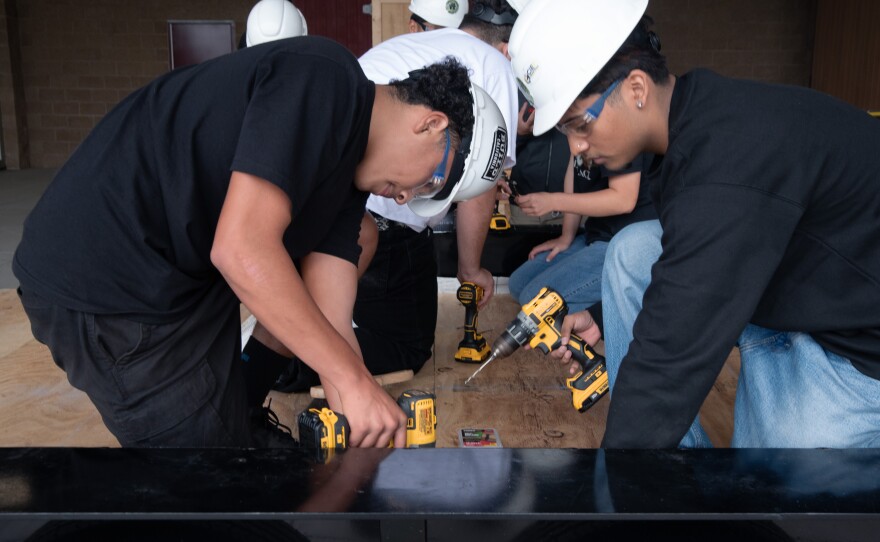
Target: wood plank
{"x": 396, "y": 377}
{"x": 523, "y": 396}
{"x": 390, "y": 18}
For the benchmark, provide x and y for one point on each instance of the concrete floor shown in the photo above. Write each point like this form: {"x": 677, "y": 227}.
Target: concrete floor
{"x": 19, "y": 191}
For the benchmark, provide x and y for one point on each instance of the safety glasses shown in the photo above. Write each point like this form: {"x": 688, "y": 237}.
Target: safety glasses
{"x": 580, "y": 125}
{"x": 438, "y": 179}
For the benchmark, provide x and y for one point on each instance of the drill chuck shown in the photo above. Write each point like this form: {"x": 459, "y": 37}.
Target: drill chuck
{"x": 539, "y": 323}
{"x": 517, "y": 333}
{"x": 514, "y": 336}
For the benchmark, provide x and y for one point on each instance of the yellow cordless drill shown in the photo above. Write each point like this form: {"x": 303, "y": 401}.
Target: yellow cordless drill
{"x": 421, "y": 418}
{"x": 324, "y": 431}
{"x": 499, "y": 220}
{"x": 539, "y": 323}
{"x": 473, "y": 348}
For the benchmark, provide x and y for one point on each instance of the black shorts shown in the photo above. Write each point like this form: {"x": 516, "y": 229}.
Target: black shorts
{"x": 171, "y": 384}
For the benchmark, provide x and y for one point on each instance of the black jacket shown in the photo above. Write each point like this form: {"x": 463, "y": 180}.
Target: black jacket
{"x": 769, "y": 201}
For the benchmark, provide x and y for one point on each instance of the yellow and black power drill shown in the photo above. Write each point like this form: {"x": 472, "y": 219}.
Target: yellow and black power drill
{"x": 473, "y": 348}
{"x": 499, "y": 220}
{"x": 539, "y": 323}
{"x": 421, "y": 418}
{"x": 325, "y": 431}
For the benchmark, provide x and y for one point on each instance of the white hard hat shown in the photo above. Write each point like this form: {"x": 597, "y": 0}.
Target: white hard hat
{"x": 274, "y": 20}
{"x": 446, "y": 13}
{"x": 480, "y": 161}
{"x": 518, "y": 5}
{"x": 558, "y": 46}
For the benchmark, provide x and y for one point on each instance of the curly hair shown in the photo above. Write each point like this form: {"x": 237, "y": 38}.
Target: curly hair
{"x": 445, "y": 87}
{"x": 640, "y": 51}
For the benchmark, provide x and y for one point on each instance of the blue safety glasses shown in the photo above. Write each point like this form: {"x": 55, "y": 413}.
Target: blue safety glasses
{"x": 580, "y": 125}
{"x": 438, "y": 179}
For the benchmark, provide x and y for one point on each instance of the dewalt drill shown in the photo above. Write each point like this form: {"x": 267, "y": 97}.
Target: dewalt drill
{"x": 324, "y": 431}
{"x": 421, "y": 418}
{"x": 539, "y": 323}
{"x": 499, "y": 220}
{"x": 473, "y": 348}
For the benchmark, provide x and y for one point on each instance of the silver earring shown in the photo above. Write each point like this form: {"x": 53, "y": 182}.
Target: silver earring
{"x": 580, "y": 145}
{"x": 639, "y": 104}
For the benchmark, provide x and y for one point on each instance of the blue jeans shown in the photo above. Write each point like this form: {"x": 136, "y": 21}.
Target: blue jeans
{"x": 575, "y": 273}
{"x": 791, "y": 392}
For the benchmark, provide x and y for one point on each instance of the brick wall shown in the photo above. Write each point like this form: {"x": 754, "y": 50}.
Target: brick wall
{"x": 766, "y": 40}
{"x": 80, "y": 57}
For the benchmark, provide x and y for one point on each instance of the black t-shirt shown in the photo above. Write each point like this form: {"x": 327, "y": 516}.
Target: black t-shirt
{"x": 768, "y": 197}
{"x": 127, "y": 225}
{"x": 595, "y": 178}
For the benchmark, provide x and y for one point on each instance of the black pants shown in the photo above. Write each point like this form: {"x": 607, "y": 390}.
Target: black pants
{"x": 170, "y": 384}
{"x": 396, "y": 308}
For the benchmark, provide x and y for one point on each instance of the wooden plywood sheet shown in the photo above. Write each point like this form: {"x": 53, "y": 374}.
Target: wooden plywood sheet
{"x": 523, "y": 396}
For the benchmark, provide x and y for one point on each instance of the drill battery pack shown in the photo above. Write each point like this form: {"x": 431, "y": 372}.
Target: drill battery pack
{"x": 588, "y": 385}
{"x": 421, "y": 418}
{"x": 321, "y": 429}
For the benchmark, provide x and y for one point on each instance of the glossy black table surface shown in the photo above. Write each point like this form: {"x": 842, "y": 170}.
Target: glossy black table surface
{"x": 559, "y": 495}
{"x": 439, "y": 482}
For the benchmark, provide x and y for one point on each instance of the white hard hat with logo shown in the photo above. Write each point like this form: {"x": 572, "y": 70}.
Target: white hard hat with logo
{"x": 445, "y": 13}
{"x": 479, "y": 161}
{"x": 558, "y": 46}
{"x": 271, "y": 20}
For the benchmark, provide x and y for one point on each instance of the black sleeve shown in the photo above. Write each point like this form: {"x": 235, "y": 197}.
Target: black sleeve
{"x": 721, "y": 245}
{"x": 297, "y": 121}
{"x": 341, "y": 240}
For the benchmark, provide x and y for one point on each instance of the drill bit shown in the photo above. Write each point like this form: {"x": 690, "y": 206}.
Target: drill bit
{"x": 487, "y": 362}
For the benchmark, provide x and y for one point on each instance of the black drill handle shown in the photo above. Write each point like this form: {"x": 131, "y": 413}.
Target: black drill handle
{"x": 583, "y": 353}
{"x": 548, "y": 340}
{"x": 469, "y": 294}
{"x": 470, "y": 318}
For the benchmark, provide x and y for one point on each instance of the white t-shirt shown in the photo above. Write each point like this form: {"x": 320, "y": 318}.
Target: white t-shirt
{"x": 489, "y": 69}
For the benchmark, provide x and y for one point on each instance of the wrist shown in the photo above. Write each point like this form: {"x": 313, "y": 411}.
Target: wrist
{"x": 592, "y": 321}
{"x": 469, "y": 274}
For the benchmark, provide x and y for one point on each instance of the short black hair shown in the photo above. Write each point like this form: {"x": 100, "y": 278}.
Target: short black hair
{"x": 486, "y": 31}
{"x": 419, "y": 21}
{"x": 443, "y": 86}
{"x": 640, "y": 51}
